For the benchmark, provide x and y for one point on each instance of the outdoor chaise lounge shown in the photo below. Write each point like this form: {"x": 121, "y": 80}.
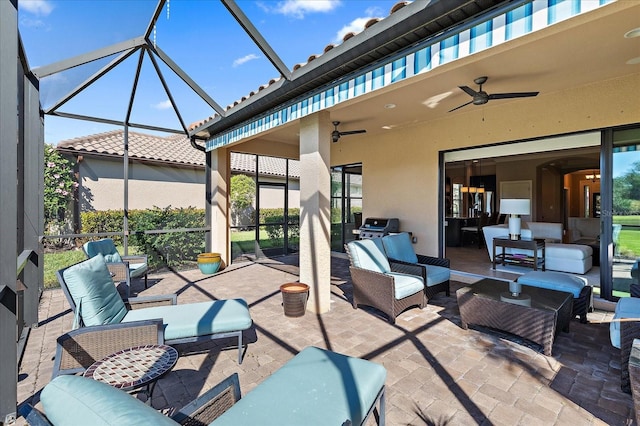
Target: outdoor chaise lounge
{"x": 378, "y": 284}
{"x": 95, "y": 301}
{"x": 122, "y": 268}
{"x": 316, "y": 386}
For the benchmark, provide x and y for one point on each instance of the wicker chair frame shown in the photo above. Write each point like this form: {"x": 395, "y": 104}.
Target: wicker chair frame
{"x": 377, "y": 290}
{"x": 78, "y": 349}
{"x": 634, "y": 378}
{"x": 629, "y": 330}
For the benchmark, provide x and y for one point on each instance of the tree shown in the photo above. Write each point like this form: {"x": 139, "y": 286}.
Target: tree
{"x": 59, "y": 188}
{"x": 243, "y": 193}
{"x": 626, "y": 191}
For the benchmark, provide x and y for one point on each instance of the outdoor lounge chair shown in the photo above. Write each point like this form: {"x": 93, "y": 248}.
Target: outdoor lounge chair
{"x": 317, "y": 386}
{"x": 376, "y": 282}
{"x": 73, "y": 400}
{"x": 434, "y": 270}
{"x": 95, "y": 301}
{"x": 122, "y": 268}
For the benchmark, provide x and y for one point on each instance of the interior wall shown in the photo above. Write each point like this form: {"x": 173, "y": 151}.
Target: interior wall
{"x": 402, "y": 164}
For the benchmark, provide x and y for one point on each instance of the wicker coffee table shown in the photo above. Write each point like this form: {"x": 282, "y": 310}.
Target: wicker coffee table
{"x": 134, "y": 368}
{"x": 550, "y": 311}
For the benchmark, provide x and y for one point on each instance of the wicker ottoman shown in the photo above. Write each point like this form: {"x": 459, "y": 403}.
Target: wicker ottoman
{"x": 578, "y": 286}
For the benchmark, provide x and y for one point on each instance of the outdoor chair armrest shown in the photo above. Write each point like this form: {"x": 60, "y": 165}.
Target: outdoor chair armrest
{"x": 212, "y": 404}
{"x": 436, "y": 261}
{"x": 119, "y": 271}
{"x": 78, "y": 349}
{"x": 33, "y": 416}
{"x": 408, "y": 268}
{"x": 142, "y": 302}
{"x": 139, "y": 258}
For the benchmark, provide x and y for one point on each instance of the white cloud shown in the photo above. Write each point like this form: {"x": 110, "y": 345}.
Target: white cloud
{"x": 356, "y": 26}
{"x": 244, "y": 59}
{"x": 298, "y": 8}
{"x": 163, "y": 105}
{"x": 37, "y": 7}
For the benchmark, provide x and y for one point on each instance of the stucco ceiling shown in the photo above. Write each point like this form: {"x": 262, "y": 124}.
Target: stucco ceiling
{"x": 584, "y": 50}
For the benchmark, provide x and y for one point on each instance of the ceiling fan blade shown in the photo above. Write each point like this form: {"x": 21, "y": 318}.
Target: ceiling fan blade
{"x": 352, "y": 132}
{"x": 458, "y": 107}
{"x": 468, "y": 90}
{"x": 513, "y": 95}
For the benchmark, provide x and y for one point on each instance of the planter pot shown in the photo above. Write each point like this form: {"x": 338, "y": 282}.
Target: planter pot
{"x": 209, "y": 263}
{"x": 294, "y": 298}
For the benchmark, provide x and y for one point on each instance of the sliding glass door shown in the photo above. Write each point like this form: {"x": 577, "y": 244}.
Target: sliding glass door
{"x": 626, "y": 209}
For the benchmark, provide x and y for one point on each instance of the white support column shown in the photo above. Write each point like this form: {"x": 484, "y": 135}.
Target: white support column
{"x": 220, "y": 183}
{"x": 315, "y": 209}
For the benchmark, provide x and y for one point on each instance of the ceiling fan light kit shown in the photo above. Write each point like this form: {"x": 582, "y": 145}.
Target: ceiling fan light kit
{"x": 336, "y": 134}
{"x": 481, "y": 97}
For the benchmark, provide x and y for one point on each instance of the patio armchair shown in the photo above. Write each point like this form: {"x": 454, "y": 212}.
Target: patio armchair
{"x": 122, "y": 268}
{"x": 378, "y": 284}
{"x": 89, "y": 289}
{"x": 435, "y": 271}
{"x": 73, "y": 400}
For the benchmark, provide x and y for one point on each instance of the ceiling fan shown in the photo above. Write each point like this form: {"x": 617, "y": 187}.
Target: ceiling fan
{"x": 481, "y": 97}
{"x": 335, "y": 135}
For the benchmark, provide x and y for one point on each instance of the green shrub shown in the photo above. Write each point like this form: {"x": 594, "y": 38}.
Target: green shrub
{"x": 173, "y": 249}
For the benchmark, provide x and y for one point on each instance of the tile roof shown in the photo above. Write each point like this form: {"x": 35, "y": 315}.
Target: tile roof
{"x": 174, "y": 149}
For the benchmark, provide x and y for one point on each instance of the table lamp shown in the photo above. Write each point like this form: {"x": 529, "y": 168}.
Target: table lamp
{"x": 515, "y": 207}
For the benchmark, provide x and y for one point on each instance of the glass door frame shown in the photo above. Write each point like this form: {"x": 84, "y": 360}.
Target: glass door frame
{"x": 345, "y": 198}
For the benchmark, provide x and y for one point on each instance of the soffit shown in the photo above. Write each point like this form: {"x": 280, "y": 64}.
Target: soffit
{"x": 582, "y": 51}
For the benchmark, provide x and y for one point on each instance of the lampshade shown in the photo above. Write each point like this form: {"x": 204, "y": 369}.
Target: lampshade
{"x": 515, "y": 206}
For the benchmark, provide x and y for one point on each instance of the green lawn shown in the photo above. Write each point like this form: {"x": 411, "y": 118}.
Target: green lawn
{"x": 56, "y": 261}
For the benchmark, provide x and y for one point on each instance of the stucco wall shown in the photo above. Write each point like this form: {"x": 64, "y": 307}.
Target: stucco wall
{"x": 402, "y": 163}
{"x": 103, "y": 188}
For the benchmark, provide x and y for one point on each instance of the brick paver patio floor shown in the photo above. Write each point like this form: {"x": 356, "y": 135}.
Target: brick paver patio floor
{"x": 438, "y": 373}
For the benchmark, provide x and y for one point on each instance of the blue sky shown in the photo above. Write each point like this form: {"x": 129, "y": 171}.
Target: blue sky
{"x": 199, "y": 35}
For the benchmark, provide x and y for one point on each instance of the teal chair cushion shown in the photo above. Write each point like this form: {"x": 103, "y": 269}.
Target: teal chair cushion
{"x": 113, "y": 258}
{"x": 137, "y": 269}
{"x": 104, "y": 247}
{"x": 369, "y": 254}
{"x": 316, "y": 387}
{"x": 406, "y": 285}
{"x": 96, "y": 297}
{"x": 76, "y": 400}
{"x": 398, "y": 247}
{"x": 197, "y": 319}
{"x": 436, "y": 274}
{"x": 627, "y": 307}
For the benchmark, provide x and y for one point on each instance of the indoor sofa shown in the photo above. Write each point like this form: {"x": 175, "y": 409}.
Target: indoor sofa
{"x": 572, "y": 258}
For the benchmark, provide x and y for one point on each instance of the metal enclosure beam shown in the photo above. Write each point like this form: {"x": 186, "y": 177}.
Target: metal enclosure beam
{"x": 8, "y": 208}
{"x": 257, "y": 38}
{"x": 33, "y": 214}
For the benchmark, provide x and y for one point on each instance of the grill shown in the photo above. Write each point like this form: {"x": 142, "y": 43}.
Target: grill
{"x": 378, "y": 227}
